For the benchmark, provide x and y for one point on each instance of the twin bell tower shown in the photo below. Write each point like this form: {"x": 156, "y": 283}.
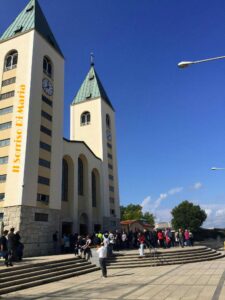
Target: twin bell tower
{"x": 49, "y": 183}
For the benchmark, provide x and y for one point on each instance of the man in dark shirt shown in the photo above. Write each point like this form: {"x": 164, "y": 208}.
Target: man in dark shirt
{"x": 12, "y": 243}
{"x": 4, "y": 249}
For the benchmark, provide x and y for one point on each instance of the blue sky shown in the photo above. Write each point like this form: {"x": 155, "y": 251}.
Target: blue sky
{"x": 170, "y": 122}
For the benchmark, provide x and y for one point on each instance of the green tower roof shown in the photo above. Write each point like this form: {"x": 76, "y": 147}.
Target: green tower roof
{"x": 91, "y": 88}
{"x": 30, "y": 18}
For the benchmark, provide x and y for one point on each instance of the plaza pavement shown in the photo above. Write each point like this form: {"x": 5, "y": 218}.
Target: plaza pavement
{"x": 201, "y": 281}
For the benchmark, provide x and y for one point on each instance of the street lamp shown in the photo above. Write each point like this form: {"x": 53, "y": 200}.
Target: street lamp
{"x": 185, "y": 64}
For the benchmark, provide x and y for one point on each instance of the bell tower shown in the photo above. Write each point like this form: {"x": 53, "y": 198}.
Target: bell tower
{"x": 31, "y": 108}
{"x": 93, "y": 122}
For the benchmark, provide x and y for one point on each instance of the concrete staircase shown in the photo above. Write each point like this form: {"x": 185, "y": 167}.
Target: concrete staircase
{"x": 34, "y": 274}
{"x": 131, "y": 259}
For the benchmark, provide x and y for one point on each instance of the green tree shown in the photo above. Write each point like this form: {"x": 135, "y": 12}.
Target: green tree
{"x": 134, "y": 212}
{"x": 149, "y": 218}
{"x": 188, "y": 215}
{"x": 131, "y": 212}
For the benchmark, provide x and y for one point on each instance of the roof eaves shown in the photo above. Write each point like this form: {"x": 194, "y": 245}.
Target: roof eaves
{"x": 81, "y": 142}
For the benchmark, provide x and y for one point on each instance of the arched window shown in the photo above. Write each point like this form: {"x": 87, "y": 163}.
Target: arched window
{"x": 80, "y": 177}
{"x": 94, "y": 189}
{"x": 11, "y": 60}
{"x": 108, "y": 123}
{"x": 47, "y": 67}
{"x": 65, "y": 178}
{"x": 85, "y": 118}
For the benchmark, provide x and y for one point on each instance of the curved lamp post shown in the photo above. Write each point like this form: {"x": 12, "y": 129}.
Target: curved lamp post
{"x": 185, "y": 64}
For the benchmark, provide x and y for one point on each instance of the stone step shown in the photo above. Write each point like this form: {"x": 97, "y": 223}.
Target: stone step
{"x": 44, "y": 275}
{"x": 171, "y": 252}
{"x": 158, "y": 262}
{"x": 12, "y": 288}
{"x": 166, "y": 257}
{"x": 28, "y": 275}
{"x": 163, "y": 256}
{"x": 39, "y": 270}
{"x": 144, "y": 260}
{"x": 37, "y": 265}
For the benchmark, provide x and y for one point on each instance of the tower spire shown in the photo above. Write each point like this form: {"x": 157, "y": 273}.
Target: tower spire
{"x": 31, "y": 17}
{"x": 92, "y": 58}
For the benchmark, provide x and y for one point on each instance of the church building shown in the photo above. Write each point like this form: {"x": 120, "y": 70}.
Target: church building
{"x": 49, "y": 183}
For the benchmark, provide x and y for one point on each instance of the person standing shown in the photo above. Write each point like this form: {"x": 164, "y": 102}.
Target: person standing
{"x": 102, "y": 254}
{"x": 111, "y": 243}
{"x": 12, "y": 244}
{"x": 4, "y": 249}
{"x": 191, "y": 236}
{"x": 161, "y": 239}
{"x": 19, "y": 246}
{"x": 124, "y": 240}
{"x": 141, "y": 240}
{"x": 181, "y": 237}
{"x": 187, "y": 237}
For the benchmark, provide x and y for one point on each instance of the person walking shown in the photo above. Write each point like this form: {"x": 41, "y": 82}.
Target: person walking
{"x": 87, "y": 248}
{"x": 102, "y": 254}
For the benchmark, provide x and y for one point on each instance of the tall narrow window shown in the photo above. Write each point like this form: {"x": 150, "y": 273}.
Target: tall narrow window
{"x": 108, "y": 122}
{"x": 47, "y": 67}
{"x": 94, "y": 189}
{"x": 6, "y": 125}
{"x": 6, "y": 110}
{"x": 11, "y": 60}
{"x": 3, "y": 178}
{"x": 65, "y": 178}
{"x": 85, "y": 118}
{"x": 80, "y": 177}
{"x": 2, "y": 196}
{"x": 4, "y": 160}
{"x": 4, "y": 143}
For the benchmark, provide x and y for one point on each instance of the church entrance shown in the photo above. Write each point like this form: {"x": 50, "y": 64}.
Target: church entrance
{"x": 83, "y": 229}
{"x": 97, "y": 227}
{"x": 67, "y": 228}
{"x": 84, "y": 224}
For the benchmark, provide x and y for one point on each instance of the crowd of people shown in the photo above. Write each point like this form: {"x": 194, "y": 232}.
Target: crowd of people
{"x": 115, "y": 241}
{"x": 11, "y": 248}
{"x": 122, "y": 240}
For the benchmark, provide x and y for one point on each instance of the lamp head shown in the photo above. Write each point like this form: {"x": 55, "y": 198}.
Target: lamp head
{"x": 184, "y": 64}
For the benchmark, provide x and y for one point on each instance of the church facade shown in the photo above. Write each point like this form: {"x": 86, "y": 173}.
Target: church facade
{"x": 49, "y": 183}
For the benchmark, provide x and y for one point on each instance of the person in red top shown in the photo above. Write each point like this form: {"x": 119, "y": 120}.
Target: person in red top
{"x": 141, "y": 240}
{"x": 161, "y": 238}
{"x": 187, "y": 237}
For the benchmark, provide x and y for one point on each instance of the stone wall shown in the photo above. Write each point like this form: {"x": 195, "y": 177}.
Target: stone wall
{"x": 11, "y": 217}
{"x": 36, "y": 235}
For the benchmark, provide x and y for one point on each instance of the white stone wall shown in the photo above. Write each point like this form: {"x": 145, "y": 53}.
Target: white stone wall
{"x": 36, "y": 236}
